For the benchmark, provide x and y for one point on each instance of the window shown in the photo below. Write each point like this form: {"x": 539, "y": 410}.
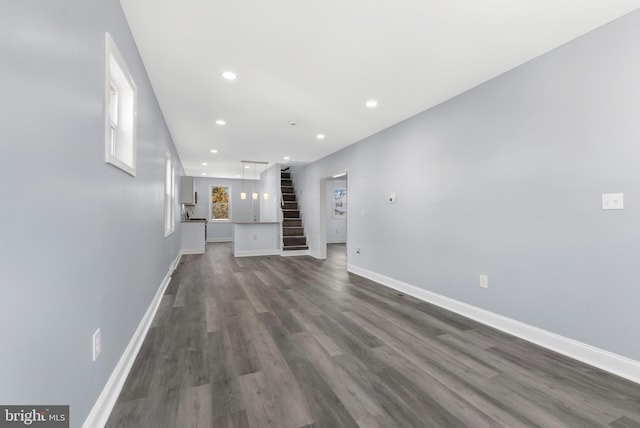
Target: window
{"x": 169, "y": 197}
{"x": 120, "y": 110}
{"x": 220, "y": 203}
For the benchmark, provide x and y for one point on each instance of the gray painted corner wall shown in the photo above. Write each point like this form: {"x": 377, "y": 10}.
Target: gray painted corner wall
{"x": 506, "y": 180}
{"x": 83, "y": 243}
{"x": 270, "y": 183}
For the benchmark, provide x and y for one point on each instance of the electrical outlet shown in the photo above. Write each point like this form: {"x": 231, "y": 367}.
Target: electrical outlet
{"x": 612, "y": 201}
{"x": 484, "y": 281}
{"x": 97, "y": 344}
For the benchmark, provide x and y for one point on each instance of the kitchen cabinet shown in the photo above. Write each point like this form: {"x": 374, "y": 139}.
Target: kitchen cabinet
{"x": 256, "y": 239}
{"x": 188, "y": 194}
{"x": 193, "y": 237}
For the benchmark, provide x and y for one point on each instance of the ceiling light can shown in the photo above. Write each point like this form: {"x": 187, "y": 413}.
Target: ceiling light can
{"x": 229, "y": 75}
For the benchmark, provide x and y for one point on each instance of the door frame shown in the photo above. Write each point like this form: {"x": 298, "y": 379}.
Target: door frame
{"x": 324, "y": 212}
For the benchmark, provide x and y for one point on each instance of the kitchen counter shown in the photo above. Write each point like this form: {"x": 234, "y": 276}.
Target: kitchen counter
{"x": 255, "y": 222}
{"x": 256, "y": 239}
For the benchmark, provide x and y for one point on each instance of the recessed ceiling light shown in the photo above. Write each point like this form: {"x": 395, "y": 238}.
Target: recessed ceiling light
{"x": 371, "y": 103}
{"x": 229, "y": 75}
{"x": 204, "y": 164}
{"x": 204, "y": 173}
{"x": 287, "y": 158}
{"x": 320, "y": 136}
{"x": 214, "y": 151}
{"x": 220, "y": 122}
{"x": 247, "y": 167}
{"x": 237, "y": 175}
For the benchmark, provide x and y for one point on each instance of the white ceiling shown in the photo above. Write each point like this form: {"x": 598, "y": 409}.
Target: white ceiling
{"x": 318, "y": 62}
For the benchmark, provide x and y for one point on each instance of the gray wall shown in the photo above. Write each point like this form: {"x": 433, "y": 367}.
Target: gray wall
{"x": 83, "y": 243}
{"x": 240, "y": 210}
{"x": 270, "y": 183}
{"x": 506, "y": 180}
{"x": 336, "y": 227}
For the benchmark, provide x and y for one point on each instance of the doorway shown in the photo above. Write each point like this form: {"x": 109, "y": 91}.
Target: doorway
{"x": 334, "y": 212}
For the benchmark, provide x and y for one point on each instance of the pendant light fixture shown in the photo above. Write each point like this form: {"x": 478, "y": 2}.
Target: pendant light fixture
{"x": 254, "y": 194}
{"x": 243, "y": 194}
{"x": 265, "y": 195}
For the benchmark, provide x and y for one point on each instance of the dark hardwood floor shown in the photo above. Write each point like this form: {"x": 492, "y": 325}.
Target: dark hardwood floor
{"x": 298, "y": 342}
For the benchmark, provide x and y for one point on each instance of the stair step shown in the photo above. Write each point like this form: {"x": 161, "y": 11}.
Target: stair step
{"x": 291, "y": 213}
{"x": 296, "y": 248}
{"x": 292, "y": 231}
{"x": 294, "y": 240}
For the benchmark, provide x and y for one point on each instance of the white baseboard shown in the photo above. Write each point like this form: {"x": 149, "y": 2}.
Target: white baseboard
{"x": 605, "y": 360}
{"x": 104, "y": 405}
{"x": 252, "y": 253}
{"x": 192, "y": 251}
{"x": 317, "y": 255}
{"x": 294, "y": 253}
{"x": 219, "y": 240}
{"x": 175, "y": 263}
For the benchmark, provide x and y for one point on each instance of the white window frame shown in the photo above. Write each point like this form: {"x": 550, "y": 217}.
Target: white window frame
{"x": 211, "y": 204}
{"x": 169, "y": 196}
{"x": 120, "y": 120}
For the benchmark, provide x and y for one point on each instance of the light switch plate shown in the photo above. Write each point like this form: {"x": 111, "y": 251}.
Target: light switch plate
{"x": 612, "y": 201}
{"x": 484, "y": 281}
{"x": 96, "y": 344}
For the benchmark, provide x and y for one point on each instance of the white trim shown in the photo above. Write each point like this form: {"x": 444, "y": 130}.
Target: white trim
{"x": 104, "y": 405}
{"x": 251, "y": 253}
{"x": 605, "y": 360}
{"x": 317, "y": 255}
{"x": 193, "y": 251}
{"x": 129, "y": 90}
{"x": 219, "y": 239}
{"x": 175, "y": 263}
{"x": 169, "y": 196}
{"x": 229, "y": 206}
{"x": 295, "y": 253}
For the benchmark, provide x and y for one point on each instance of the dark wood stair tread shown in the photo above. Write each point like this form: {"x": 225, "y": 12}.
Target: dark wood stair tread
{"x": 293, "y": 237}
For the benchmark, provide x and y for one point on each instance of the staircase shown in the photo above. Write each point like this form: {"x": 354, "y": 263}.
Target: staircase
{"x": 293, "y": 238}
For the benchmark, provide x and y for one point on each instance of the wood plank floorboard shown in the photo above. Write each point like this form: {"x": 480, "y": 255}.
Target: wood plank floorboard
{"x": 297, "y": 342}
